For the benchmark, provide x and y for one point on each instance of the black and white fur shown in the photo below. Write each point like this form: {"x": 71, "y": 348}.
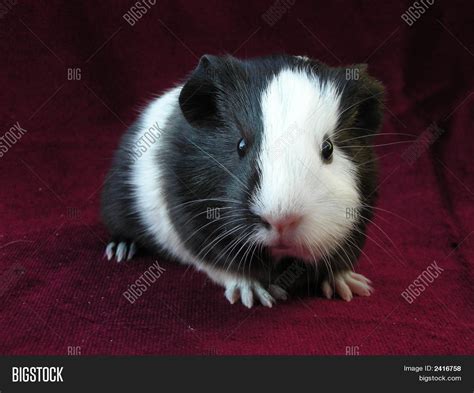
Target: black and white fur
{"x": 191, "y": 196}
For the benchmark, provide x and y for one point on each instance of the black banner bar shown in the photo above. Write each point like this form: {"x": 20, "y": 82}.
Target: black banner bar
{"x": 244, "y": 374}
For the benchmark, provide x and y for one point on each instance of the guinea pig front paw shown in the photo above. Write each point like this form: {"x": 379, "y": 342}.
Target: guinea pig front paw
{"x": 347, "y": 284}
{"x": 121, "y": 251}
{"x": 247, "y": 290}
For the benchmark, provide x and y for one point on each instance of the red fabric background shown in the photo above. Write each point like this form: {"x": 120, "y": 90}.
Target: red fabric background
{"x": 57, "y": 292}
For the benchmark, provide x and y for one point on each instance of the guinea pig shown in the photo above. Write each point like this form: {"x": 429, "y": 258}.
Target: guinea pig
{"x": 259, "y": 172}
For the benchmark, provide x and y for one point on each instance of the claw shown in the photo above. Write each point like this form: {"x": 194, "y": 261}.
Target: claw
{"x": 246, "y": 294}
{"x": 121, "y": 251}
{"x": 327, "y": 289}
{"x": 110, "y": 250}
{"x": 346, "y": 285}
{"x": 248, "y": 291}
{"x": 278, "y": 292}
{"x": 232, "y": 294}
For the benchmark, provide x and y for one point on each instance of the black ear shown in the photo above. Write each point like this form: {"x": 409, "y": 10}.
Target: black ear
{"x": 370, "y": 99}
{"x": 198, "y": 97}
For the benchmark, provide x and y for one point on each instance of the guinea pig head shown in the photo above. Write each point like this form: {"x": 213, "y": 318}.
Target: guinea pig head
{"x": 284, "y": 143}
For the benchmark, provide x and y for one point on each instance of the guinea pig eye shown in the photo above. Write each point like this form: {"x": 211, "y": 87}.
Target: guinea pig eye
{"x": 242, "y": 147}
{"x": 326, "y": 149}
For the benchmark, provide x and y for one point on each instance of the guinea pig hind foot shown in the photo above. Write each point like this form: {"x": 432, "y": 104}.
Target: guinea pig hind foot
{"x": 346, "y": 284}
{"x": 248, "y": 290}
{"x": 120, "y": 250}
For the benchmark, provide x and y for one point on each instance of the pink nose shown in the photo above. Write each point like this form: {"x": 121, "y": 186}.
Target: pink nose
{"x": 284, "y": 224}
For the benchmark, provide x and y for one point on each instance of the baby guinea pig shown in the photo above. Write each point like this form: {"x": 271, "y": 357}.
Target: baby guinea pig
{"x": 258, "y": 172}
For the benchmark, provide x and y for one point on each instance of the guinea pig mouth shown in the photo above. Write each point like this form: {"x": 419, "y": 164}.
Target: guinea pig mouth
{"x": 281, "y": 250}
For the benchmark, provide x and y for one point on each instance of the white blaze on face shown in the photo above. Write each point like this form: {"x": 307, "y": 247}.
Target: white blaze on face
{"x": 298, "y": 112}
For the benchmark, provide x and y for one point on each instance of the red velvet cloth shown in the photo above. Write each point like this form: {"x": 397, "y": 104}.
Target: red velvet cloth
{"x": 56, "y": 290}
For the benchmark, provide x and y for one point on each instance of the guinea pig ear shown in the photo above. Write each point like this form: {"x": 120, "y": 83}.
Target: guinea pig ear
{"x": 198, "y": 97}
{"x": 369, "y": 100}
